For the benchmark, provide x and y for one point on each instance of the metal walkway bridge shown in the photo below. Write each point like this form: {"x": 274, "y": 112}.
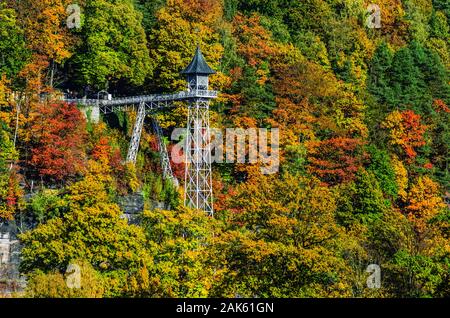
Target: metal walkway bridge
{"x": 152, "y": 102}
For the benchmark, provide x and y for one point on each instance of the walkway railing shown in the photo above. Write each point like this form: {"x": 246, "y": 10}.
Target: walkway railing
{"x": 146, "y": 98}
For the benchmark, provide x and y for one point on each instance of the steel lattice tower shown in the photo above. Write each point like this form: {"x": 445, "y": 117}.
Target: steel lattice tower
{"x": 198, "y": 176}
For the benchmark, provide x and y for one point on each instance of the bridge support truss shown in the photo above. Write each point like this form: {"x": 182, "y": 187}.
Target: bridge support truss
{"x": 165, "y": 160}
{"x": 137, "y": 132}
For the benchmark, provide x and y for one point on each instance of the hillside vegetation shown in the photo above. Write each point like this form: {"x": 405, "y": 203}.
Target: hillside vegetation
{"x": 364, "y": 129}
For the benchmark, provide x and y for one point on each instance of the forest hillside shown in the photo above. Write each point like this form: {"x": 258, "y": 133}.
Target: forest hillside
{"x": 360, "y": 96}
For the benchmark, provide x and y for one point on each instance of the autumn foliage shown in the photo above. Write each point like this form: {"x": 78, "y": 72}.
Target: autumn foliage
{"x": 58, "y": 141}
{"x": 406, "y": 131}
{"x": 335, "y": 160}
{"x": 364, "y": 158}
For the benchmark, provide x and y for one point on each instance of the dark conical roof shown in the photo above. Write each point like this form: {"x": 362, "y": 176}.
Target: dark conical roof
{"x": 198, "y": 65}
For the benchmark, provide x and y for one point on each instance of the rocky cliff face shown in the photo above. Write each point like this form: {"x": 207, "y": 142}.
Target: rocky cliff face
{"x": 8, "y": 243}
{"x": 10, "y": 280}
{"x": 132, "y": 205}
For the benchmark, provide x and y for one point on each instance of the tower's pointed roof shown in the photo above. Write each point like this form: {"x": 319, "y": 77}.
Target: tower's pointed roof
{"x": 198, "y": 65}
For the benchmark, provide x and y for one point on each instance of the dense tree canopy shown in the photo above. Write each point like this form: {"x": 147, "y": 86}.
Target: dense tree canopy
{"x": 113, "y": 45}
{"x": 363, "y": 115}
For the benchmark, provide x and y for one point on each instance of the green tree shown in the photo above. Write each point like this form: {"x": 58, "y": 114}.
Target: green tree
{"x": 411, "y": 243}
{"x": 91, "y": 230}
{"x": 54, "y": 284}
{"x": 183, "y": 245}
{"x": 440, "y": 139}
{"x": 378, "y": 79}
{"x": 443, "y": 6}
{"x": 380, "y": 166}
{"x": 9, "y": 190}
{"x": 439, "y": 25}
{"x": 113, "y": 45}
{"x": 282, "y": 241}
{"x": 45, "y": 205}
{"x": 13, "y": 51}
{"x": 360, "y": 201}
{"x": 179, "y": 27}
{"x": 408, "y": 82}
{"x": 258, "y": 100}
{"x": 148, "y": 10}
{"x": 434, "y": 74}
